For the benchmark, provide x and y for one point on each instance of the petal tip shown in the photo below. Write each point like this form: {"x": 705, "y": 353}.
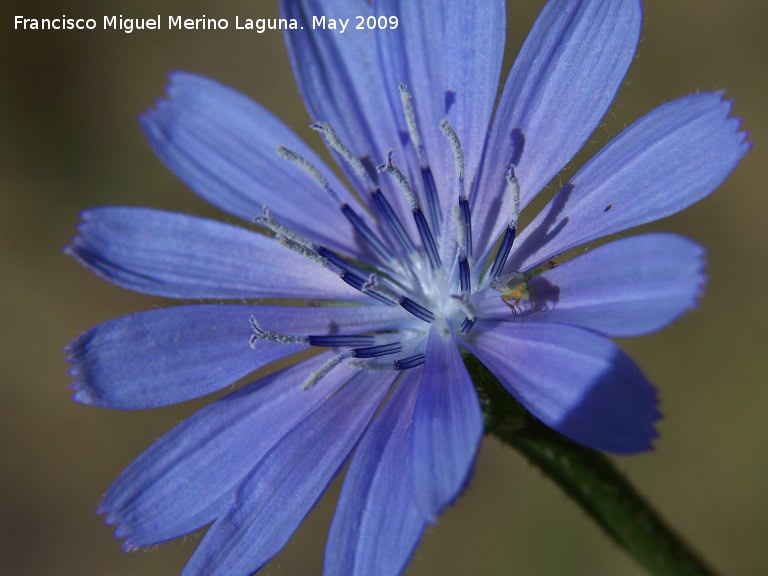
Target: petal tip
{"x": 85, "y": 396}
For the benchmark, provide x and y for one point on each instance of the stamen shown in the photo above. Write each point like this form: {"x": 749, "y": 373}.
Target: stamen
{"x": 269, "y": 336}
{"x": 307, "y": 166}
{"x": 357, "y": 222}
{"x": 340, "y": 340}
{"x": 395, "y": 226}
{"x": 385, "y": 210}
{"x": 417, "y": 309}
{"x": 341, "y": 262}
{"x": 465, "y": 304}
{"x": 308, "y": 253}
{"x": 279, "y": 229}
{"x": 421, "y": 222}
{"x": 361, "y": 284}
{"x": 509, "y": 235}
{"x": 369, "y": 365}
{"x": 368, "y": 235}
{"x": 297, "y": 243}
{"x": 410, "y": 362}
{"x": 464, "y": 230}
{"x": 376, "y": 351}
{"x": 334, "y": 142}
{"x": 401, "y": 180}
{"x": 464, "y": 277}
{"x": 318, "y": 374}
{"x": 413, "y": 129}
{"x": 353, "y": 280}
{"x": 458, "y": 152}
{"x": 514, "y": 190}
{"x": 370, "y": 284}
{"x": 467, "y": 325}
{"x": 366, "y": 365}
{"x": 427, "y": 239}
{"x": 374, "y": 286}
{"x": 432, "y": 200}
{"x": 379, "y": 200}
{"x": 426, "y": 173}
{"x": 504, "y": 248}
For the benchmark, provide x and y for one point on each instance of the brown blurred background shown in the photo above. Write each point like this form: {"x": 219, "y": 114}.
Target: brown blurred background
{"x": 70, "y": 140}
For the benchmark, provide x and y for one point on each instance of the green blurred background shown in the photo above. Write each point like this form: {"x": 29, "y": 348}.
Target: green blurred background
{"x": 69, "y": 103}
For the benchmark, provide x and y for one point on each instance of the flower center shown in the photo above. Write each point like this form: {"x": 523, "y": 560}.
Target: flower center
{"x": 431, "y": 281}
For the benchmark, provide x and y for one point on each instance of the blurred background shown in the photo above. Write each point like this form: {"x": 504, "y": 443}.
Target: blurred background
{"x": 70, "y": 140}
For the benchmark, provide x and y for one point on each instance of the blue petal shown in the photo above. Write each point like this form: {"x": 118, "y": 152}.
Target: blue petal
{"x": 364, "y": 540}
{"x": 472, "y": 59}
{"x": 187, "y": 477}
{"x": 629, "y": 287}
{"x": 450, "y": 58}
{"x": 224, "y": 146}
{"x": 274, "y": 498}
{"x": 575, "y": 381}
{"x": 664, "y": 162}
{"x": 447, "y": 426}
{"x": 170, "y": 355}
{"x": 181, "y": 256}
{"x": 340, "y": 78}
{"x": 561, "y": 85}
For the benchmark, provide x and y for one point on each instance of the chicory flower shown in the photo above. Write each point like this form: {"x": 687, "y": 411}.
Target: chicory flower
{"x": 418, "y": 261}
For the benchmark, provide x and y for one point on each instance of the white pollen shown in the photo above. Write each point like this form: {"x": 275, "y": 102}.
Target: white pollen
{"x": 335, "y": 142}
{"x": 514, "y": 190}
{"x": 310, "y": 169}
{"x": 401, "y": 180}
{"x": 320, "y": 373}
{"x": 458, "y": 151}
{"x": 413, "y": 128}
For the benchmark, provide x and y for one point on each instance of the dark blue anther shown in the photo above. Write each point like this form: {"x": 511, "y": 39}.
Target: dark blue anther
{"x": 365, "y": 231}
{"x": 341, "y": 262}
{"x": 432, "y": 199}
{"x": 466, "y": 216}
{"x": 410, "y": 362}
{"x": 357, "y": 283}
{"x": 464, "y": 274}
{"x": 392, "y": 221}
{"x": 376, "y": 351}
{"x": 467, "y": 325}
{"x": 353, "y": 280}
{"x": 427, "y": 239}
{"x": 340, "y": 340}
{"x": 503, "y": 253}
{"x": 417, "y": 309}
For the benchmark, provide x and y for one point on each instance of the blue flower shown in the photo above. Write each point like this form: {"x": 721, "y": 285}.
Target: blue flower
{"x": 394, "y": 278}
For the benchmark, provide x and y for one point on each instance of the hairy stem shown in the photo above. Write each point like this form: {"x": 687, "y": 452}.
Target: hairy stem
{"x": 590, "y": 478}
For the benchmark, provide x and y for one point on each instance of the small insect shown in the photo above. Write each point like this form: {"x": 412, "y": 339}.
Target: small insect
{"x": 515, "y": 287}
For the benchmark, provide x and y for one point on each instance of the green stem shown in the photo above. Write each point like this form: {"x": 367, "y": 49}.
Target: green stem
{"x": 590, "y": 479}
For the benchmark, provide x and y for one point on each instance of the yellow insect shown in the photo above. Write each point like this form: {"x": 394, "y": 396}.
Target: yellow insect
{"x": 515, "y": 287}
